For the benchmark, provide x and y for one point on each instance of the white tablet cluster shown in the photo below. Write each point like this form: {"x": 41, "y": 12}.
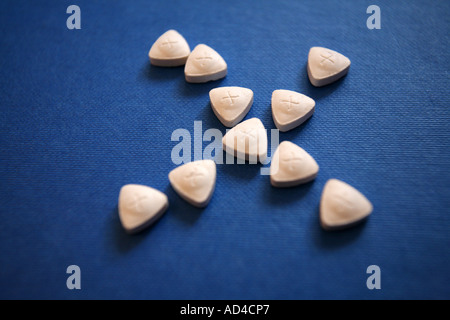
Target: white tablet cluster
{"x": 203, "y": 64}
{"x": 341, "y": 205}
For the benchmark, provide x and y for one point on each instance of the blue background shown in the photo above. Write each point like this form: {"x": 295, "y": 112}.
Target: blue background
{"x": 82, "y": 113}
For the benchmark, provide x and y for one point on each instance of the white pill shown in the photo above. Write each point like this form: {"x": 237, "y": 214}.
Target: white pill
{"x": 326, "y": 66}
{"x": 291, "y": 166}
{"x": 195, "y": 181}
{"x": 169, "y": 50}
{"x": 231, "y": 104}
{"x": 247, "y": 140}
{"x": 204, "y": 64}
{"x": 342, "y": 206}
{"x": 290, "y": 109}
{"x": 140, "y": 206}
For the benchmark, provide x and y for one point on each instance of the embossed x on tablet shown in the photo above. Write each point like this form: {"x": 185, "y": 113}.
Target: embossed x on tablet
{"x": 327, "y": 58}
{"x": 193, "y": 175}
{"x": 290, "y": 103}
{"x": 231, "y": 97}
{"x": 291, "y": 160}
{"x": 204, "y": 59}
{"x": 137, "y": 201}
{"x": 168, "y": 43}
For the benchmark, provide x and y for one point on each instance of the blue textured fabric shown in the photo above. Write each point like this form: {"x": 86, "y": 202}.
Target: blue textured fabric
{"x": 82, "y": 113}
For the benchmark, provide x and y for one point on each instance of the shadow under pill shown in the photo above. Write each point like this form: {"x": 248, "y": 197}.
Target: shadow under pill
{"x": 151, "y": 72}
{"x": 287, "y": 135}
{"x": 210, "y": 120}
{"x": 188, "y": 89}
{"x": 330, "y": 240}
{"x": 181, "y": 209}
{"x": 120, "y": 240}
{"x": 240, "y": 171}
{"x": 267, "y": 114}
{"x": 317, "y": 93}
{"x": 284, "y": 196}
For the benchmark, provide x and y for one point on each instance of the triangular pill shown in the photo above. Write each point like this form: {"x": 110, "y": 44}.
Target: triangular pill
{"x": 326, "y": 66}
{"x": 291, "y": 166}
{"x": 204, "y": 64}
{"x": 195, "y": 181}
{"x": 290, "y": 109}
{"x": 140, "y": 206}
{"x": 231, "y": 104}
{"x": 342, "y": 205}
{"x": 169, "y": 50}
{"x": 247, "y": 141}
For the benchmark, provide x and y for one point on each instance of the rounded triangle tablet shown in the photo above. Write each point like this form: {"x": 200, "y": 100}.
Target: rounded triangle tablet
{"x": 291, "y": 166}
{"x": 204, "y": 64}
{"x": 140, "y": 206}
{"x": 247, "y": 141}
{"x": 169, "y": 50}
{"x": 342, "y": 206}
{"x": 290, "y": 109}
{"x": 326, "y": 66}
{"x": 195, "y": 181}
{"x": 231, "y": 104}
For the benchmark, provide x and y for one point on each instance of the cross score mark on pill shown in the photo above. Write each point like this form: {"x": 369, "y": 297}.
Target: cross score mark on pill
{"x": 168, "y": 43}
{"x": 246, "y": 133}
{"x": 231, "y": 97}
{"x": 136, "y": 203}
{"x": 290, "y": 103}
{"x": 193, "y": 175}
{"x": 291, "y": 160}
{"x": 343, "y": 204}
{"x": 327, "y": 58}
{"x": 203, "y": 59}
